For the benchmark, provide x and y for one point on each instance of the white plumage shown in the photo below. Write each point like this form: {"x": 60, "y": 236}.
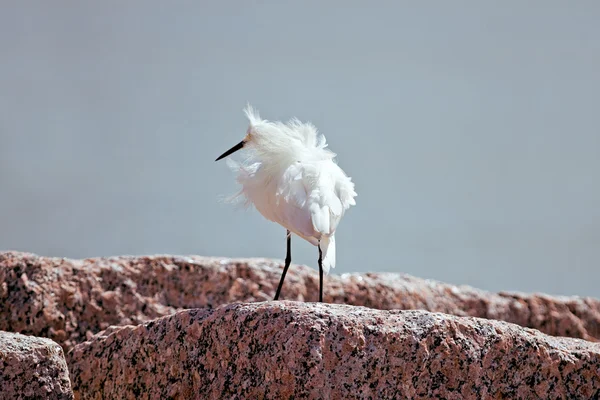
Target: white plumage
{"x": 291, "y": 178}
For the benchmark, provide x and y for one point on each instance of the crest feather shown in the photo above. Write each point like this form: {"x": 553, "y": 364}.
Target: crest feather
{"x": 252, "y": 115}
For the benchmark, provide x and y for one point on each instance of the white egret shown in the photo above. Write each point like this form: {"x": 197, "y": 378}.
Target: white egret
{"x": 291, "y": 178}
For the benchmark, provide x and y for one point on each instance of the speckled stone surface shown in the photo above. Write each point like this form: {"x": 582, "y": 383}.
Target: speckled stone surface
{"x": 282, "y": 350}
{"x": 70, "y": 300}
{"x": 32, "y": 368}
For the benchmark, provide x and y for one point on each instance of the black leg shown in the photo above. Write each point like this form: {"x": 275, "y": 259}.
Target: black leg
{"x": 320, "y": 274}
{"x": 288, "y": 260}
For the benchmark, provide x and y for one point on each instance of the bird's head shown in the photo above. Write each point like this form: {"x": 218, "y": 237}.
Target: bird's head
{"x": 276, "y": 141}
{"x": 260, "y": 135}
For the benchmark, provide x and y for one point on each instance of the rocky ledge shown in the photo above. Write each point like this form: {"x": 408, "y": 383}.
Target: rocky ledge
{"x": 198, "y": 327}
{"x": 32, "y": 368}
{"x": 71, "y": 300}
{"x": 281, "y": 350}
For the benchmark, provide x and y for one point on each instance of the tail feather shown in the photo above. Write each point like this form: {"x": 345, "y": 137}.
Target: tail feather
{"x": 327, "y": 245}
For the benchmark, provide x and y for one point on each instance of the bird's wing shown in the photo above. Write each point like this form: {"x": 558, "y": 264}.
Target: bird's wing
{"x": 324, "y": 202}
{"x": 318, "y": 192}
{"x": 291, "y": 188}
{"x": 292, "y": 198}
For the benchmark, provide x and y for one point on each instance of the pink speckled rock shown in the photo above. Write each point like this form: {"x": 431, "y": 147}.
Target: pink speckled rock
{"x": 32, "y": 368}
{"x": 282, "y": 350}
{"x": 70, "y": 300}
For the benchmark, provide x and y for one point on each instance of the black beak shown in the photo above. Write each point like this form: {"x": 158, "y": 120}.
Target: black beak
{"x": 231, "y": 150}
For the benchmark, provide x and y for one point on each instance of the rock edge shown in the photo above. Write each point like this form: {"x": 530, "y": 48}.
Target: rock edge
{"x": 308, "y": 350}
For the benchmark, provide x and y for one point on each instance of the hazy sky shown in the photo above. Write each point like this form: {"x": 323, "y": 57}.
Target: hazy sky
{"x": 471, "y": 130}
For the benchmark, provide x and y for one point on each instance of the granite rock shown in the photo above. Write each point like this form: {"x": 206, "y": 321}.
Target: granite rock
{"x": 32, "y": 368}
{"x": 282, "y": 350}
{"x": 70, "y": 300}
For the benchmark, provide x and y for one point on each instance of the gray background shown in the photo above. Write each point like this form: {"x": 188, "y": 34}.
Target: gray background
{"x": 471, "y": 130}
